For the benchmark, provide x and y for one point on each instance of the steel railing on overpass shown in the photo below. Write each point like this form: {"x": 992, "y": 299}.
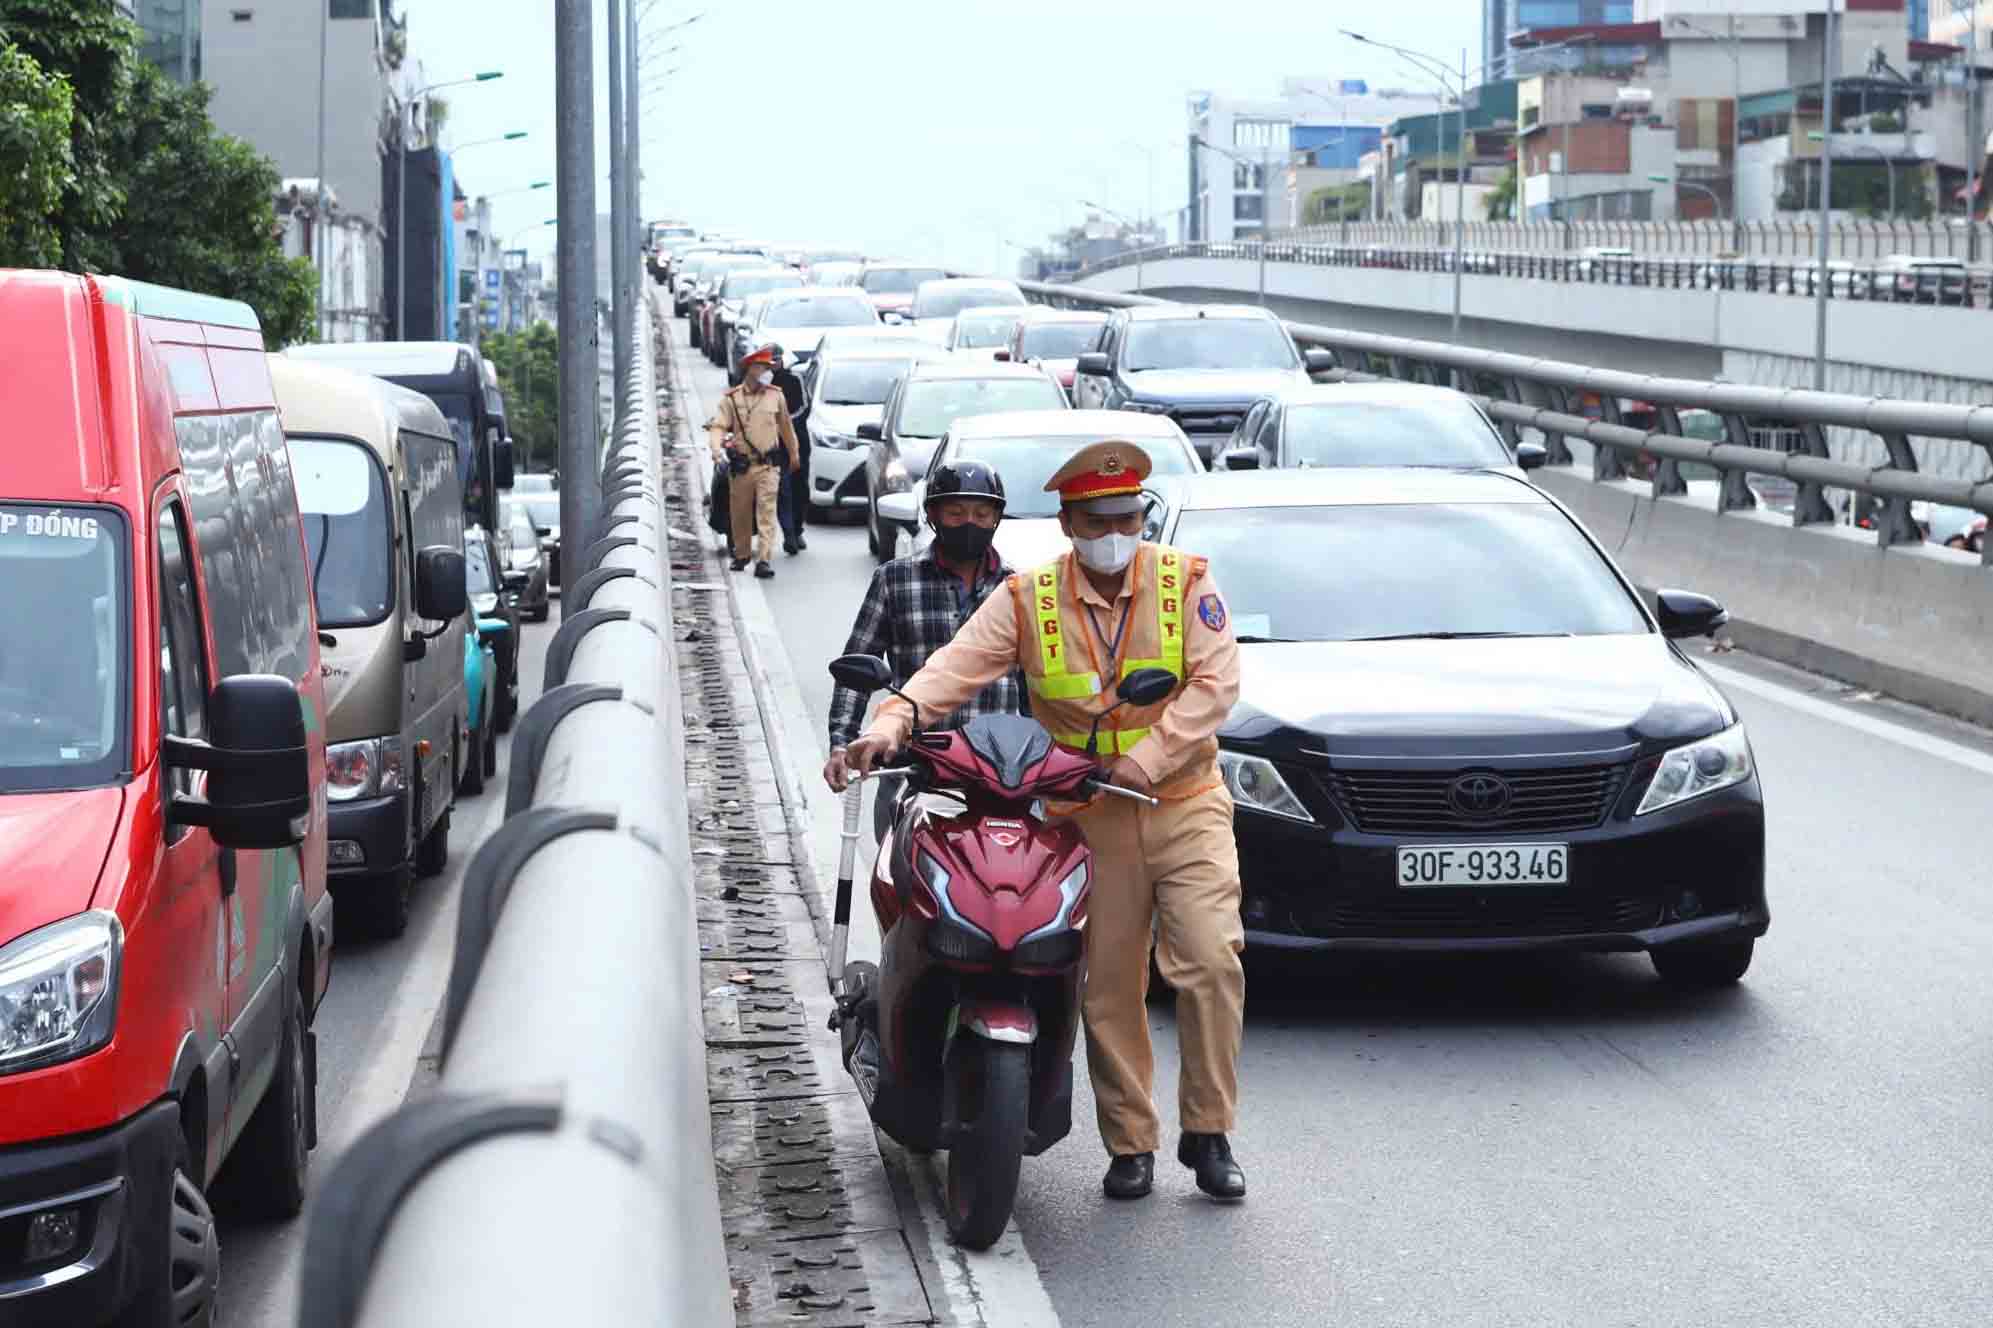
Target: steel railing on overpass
{"x": 1521, "y": 392}
{"x": 1792, "y": 237}
{"x": 562, "y": 1171}
{"x": 1949, "y": 283}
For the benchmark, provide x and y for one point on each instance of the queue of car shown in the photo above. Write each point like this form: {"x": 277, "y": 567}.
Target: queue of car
{"x": 1461, "y": 727}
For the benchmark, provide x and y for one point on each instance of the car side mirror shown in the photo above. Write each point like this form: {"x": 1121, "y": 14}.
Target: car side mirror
{"x": 1241, "y": 458}
{"x": 1531, "y": 456}
{"x": 1685, "y": 614}
{"x": 490, "y": 629}
{"x": 259, "y": 767}
{"x": 861, "y": 673}
{"x": 543, "y": 531}
{"x": 441, "y": 592}
{"x": 1093, "y": 364}
{"x": 502, "y": 463}
{"x": 871, "y": 433}
{"x": 1145, "y": 687}
{"x": 1002, "y": 357}
{"x": 1318, "y": 360}
{"x": 899, "y": 507}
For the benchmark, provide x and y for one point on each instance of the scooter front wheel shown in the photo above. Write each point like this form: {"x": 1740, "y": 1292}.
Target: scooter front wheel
{"x": 995, "y": 1084}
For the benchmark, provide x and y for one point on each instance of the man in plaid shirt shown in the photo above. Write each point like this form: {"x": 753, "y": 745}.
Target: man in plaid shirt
{"x": 914, "y": 606}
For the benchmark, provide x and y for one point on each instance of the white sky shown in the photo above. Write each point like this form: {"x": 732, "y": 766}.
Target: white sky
{"x": 930, "y": 130}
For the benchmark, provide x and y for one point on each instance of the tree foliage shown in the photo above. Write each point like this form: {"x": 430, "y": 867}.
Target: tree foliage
{"x": 528, "y": 366}
{"x": 36, "y": 115}
{"x": 149, "y": 190}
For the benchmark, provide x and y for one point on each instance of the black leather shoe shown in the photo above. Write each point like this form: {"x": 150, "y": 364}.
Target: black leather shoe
{"x": 790, "y": 547}
{"x": 1210, "y": 1156}
{"x": 1130, "y": 1177}
{"x": 763, "y": 570}
{"x": 740, "y": 564}
{"x": 801, "y": 542}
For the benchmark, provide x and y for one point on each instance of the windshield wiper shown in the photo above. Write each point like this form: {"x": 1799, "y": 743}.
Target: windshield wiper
{"x": 1251, "y": 640}
{"x": 1455, "y": 636}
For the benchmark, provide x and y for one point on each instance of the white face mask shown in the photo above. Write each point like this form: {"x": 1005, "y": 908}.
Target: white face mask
{"x": 1109, "y": 553}
{"x": 765, "y": 377}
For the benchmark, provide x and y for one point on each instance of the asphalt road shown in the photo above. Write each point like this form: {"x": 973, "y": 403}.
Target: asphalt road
{"x": 372, "y": 1029}
{"x": 1561, "y": 1140}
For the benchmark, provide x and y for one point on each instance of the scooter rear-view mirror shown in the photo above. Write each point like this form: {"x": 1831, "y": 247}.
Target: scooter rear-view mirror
{"x": 1146, "y": 686}
{"x": 869, "y": 673}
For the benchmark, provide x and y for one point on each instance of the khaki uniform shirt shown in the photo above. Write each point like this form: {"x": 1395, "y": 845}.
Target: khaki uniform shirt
{"x": 757, "y": 422}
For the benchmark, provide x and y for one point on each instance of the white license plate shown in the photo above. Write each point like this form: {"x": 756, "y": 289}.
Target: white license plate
{"x": 1483, "y": 864}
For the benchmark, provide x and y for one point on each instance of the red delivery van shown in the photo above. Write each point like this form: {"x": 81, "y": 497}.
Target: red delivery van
{"x": 165, "y": 931}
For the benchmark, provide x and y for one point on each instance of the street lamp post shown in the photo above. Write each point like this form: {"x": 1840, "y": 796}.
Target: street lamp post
{"x": 1715, "y": 198}
{"x": 1098, "y": 207}
{"x": 1736, "y": 117}
{"x": 1829, "y": 35}
{"x": 1248, "y": 162}
{"x": 403, "y": 124}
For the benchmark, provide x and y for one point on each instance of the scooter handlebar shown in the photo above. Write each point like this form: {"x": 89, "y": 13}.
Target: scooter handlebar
{"x": 1102, "y": 786}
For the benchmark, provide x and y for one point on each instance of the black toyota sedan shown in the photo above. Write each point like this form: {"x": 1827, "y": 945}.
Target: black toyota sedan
{"x": 1461, "y": 728}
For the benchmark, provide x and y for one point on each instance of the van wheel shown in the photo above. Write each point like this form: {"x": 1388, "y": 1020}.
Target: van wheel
{"x": 181, "y": 1286}
{"x": 433, "y": 853}
{"x": 267, "y": 1171}
{"x": 472, "y": 782}
{"x": 375, "y": 906}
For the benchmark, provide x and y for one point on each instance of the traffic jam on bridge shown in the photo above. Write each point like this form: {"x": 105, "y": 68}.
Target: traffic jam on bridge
{"x": 1202, "y": 779}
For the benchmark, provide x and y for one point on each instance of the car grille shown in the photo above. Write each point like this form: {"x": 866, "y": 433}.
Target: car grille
{"x": 1417, "y": 802}
{"x": 1481, "y": 913}
{"x": 1224, "y": 420}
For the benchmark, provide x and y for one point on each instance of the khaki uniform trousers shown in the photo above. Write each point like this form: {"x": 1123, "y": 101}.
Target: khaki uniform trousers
{"x": 1178, "y": 864}
{"x": 751, "y": 511}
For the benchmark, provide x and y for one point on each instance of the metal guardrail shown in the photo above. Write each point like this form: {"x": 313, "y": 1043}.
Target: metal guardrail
{"x": 1523, "y": 392}
{"x": 1795, "y": 237}
{"x": 561, "y": 1173}
{"x": 1970, "y": 287}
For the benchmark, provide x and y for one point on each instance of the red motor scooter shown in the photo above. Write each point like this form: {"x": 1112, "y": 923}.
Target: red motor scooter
{"x": 961, "y": 1037}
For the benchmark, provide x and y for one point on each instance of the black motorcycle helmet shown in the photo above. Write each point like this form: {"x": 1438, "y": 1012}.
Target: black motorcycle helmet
{"x": 964, "y": 479}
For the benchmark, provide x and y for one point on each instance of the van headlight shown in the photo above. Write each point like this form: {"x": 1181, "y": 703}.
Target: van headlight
{"x": 363, "y": 769}
{"x": 1715, "y": 762}
{"x": 1255, "y": 782}
{"x": 59, "y": 991}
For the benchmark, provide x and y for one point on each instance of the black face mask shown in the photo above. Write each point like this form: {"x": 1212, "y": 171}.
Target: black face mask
{"x": 965, "y": 543}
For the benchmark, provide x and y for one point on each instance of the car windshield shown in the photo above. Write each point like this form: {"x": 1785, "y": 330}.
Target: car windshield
{"x": 477, "y": 567}
{"x": 64, "y": 660}
{"x": 1351, "y": 573}
{"x": 342, "y": 496}
{"x": 897, "y": 280}
{"x": 928, "y": 408}
{"x": 833, "y": 274}
{"x": 981, "y": 331}
{"x": 1026, "y": 463}
{"x": 948, "y": 301}
{"x": 1444, "y": 431}
{"x": 544, "y": 509}
{"x": 519, "y": 525}
{"x": 1058, "y": 341}
{"x": 820, "y": 311}
{"x": 1207, "y": 343}
{"x": 861, "y": 382}
{"x": 741, "y": 284}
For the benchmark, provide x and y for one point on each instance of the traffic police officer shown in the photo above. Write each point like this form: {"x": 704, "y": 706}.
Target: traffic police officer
{"x": 745, "y": 433}
{"x": 1076, "y": 626}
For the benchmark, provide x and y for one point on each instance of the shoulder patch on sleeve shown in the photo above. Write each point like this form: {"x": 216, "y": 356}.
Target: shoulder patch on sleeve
{"x": 1211, "y": 610}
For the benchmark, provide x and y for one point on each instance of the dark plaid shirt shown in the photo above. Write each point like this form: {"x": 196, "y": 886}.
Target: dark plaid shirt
{"x": 913, "y": 608}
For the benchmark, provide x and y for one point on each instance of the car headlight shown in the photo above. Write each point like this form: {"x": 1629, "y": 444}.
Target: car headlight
{"x": 1148, "y": 407}
{"x": 1715, "y": 762}
{"x": 1256, "y": 782}
{"x": 835, "y": 441}
{"x": 893, "y": 478}
{"x": 486, "y": 604}
{"x": 362, "y": 769}
{"x": 59, "y": 991}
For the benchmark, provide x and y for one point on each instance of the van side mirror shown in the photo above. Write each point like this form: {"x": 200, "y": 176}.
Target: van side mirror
{"x": 1093, "y": 364}
{"x": 441, "y": 593}
{"x": 1145, "y": 687}
{"x": 502, "y": 463}
{"x": 1241, "y": 458}
{"x": 1685, "y": 614}
{"x": 259, "y": 768}
{"x": 1531, "y": 456}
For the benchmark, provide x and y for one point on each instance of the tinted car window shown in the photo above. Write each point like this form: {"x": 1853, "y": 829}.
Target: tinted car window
{"x": 861, "y": 382}
{"x": 1443, "y": 432}
{"x": 1058, "y": 341}
{"x": 929, "y": 407}
{"x": 981, "y": 331}
{"x": 1207, "y": 343}
{"x": 1026, "y": 463}
{"x": 739, "y": 284}
{"x": 949, "y": 301}
{"x": 898, "y": 280}
{"x": 819, "y": 311}
{"x": 1351, "y": 573}
{"x": 477, "y": 567}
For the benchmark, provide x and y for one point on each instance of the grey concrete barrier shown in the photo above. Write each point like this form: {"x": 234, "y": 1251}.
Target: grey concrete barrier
{"x": 562, "y": 1171}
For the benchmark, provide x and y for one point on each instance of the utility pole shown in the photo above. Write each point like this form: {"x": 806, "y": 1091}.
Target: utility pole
{"x": 574, "y": 100}
{"x": 1459, "y": 197}
{"x": 633, "y": 175}
{"x": 1975, "y": 146}
{"x": 318, "y": 211}
{"x": 619, "y": 258}
{"x": 1826, "y": 197}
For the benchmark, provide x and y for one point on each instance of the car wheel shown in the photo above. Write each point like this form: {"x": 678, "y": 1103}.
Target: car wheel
{"x": 508, "y": 707}
{"x": 375, "y": 906}
{"x": 875, "y": 535}
{"x": 181, "y": 1286}
{"x": 692, "y": 332}
{"x": 1703, "y": 964}
{"x": 490, "y": 751}
{"x": 268, "y": 1169}
{"x": 471, "y": 782}
{"x": 433, "y": 853}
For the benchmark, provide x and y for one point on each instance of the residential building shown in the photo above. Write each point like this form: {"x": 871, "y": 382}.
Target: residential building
{"x": 1502, "y": 21}
{"x": 170, "y": 35}
{"x": 1420, "y": 152}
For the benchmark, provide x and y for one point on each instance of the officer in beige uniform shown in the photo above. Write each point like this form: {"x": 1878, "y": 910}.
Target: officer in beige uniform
{"x": 1077, "y": 626}
{"x": 751, "y": 433}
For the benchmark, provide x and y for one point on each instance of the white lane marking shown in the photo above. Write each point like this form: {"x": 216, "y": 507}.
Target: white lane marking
{"x": 1001, "y": 1287}
{"x": 1903, "y": 736}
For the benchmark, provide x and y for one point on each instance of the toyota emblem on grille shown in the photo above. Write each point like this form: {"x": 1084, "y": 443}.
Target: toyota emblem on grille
{"x": 1479, "y": 795}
